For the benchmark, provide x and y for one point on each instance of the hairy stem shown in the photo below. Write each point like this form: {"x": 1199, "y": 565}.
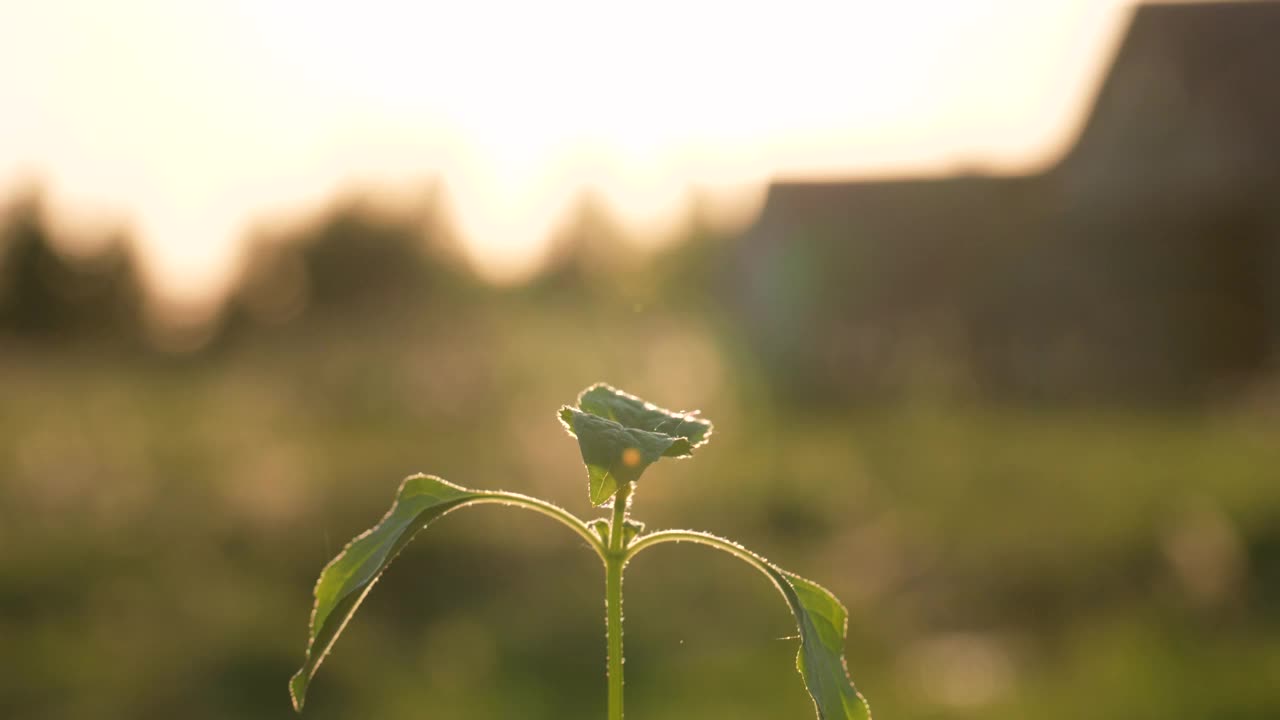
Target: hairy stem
{"x": 615, "y": 560}
{"x": 552, "y": 511}
{"x": 702, "y": 538}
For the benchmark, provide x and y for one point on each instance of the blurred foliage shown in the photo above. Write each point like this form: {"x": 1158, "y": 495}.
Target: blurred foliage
{"x": 50, "y": 296}
{"x": 353, "y": 258}
{"x": 164, "y": 523}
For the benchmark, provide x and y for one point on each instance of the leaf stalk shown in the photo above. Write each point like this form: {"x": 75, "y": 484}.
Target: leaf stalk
{"x": 554, "y": 512}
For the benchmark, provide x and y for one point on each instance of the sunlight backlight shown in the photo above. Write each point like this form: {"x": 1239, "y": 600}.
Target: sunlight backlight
{"x": 197, "y": 119}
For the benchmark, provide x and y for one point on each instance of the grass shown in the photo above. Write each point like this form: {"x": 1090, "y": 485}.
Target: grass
{"x": 163, "y": 523}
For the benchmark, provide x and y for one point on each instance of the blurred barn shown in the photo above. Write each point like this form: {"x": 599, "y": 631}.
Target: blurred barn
{"x": 1145, "y": 265}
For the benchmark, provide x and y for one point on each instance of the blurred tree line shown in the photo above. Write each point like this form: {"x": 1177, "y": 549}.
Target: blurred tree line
{"x": 345, "y": 262}
{"x": 834, "y": 290}
{"x": 350, "y": 257}
{"x": 48, "y": 295}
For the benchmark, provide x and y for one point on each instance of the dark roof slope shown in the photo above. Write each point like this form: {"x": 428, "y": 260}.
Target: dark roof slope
{"x": 1193, "y": 97}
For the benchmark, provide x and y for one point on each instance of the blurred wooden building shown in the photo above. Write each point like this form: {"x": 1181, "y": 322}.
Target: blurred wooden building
{"x": 1144, "y": 265}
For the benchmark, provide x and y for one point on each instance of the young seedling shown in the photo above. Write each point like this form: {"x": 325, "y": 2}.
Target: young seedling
{"x": 620, "y": 436}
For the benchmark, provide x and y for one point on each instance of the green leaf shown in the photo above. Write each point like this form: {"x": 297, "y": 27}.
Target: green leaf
{"x": 620, "y": 436}
{"x": 600, "y": 526}
{"x": 630, "y": 411}
{"x": 820, "y": 617}
{"x": 348, "y": 577}
{"x": 630, "y": 530}
{"x": 822, "y": 621}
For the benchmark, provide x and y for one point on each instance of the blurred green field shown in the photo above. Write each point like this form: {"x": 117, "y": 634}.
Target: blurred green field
{"x": 163, "y": 520}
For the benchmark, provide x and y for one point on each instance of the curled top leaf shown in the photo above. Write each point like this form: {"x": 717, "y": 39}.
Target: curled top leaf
{"x": 621, "y": 435}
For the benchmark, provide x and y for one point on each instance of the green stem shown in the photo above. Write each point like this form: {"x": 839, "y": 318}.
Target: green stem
{"x": 719, "y": 543}
{"x": 700, "y": 538}
{"x": 554, "y": 512}
{"x": 615, "y": 560}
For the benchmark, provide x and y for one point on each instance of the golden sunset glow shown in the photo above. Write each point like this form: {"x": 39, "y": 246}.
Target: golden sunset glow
{"x": 194, "y": 121}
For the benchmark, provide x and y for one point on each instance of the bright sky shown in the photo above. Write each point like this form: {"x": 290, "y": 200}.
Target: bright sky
{"x": 194, "y": 120}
